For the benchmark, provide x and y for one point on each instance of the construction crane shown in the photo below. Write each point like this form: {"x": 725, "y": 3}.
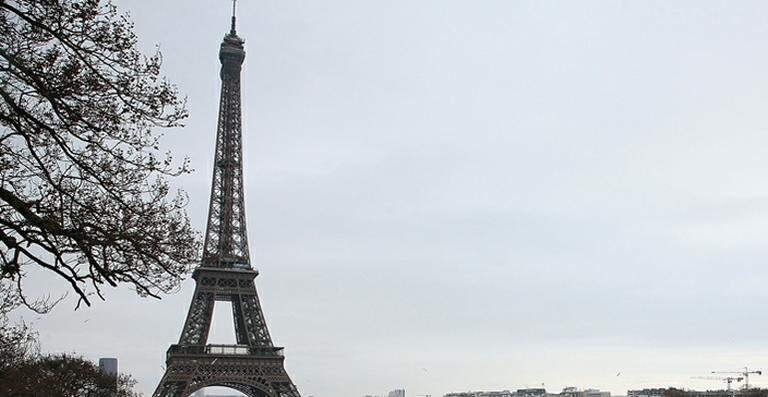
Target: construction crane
{"x": 728, "y": 380}
{"x": 745, "y": 373}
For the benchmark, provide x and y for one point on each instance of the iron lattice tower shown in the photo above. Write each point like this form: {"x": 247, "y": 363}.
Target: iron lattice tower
{"x": 254, "y": 366}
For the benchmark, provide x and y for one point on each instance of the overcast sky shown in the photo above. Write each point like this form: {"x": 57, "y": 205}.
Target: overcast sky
{"x": 450, "y": 195}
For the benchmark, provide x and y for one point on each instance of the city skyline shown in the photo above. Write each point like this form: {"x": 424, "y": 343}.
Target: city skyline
{"x": 451, "y": 197}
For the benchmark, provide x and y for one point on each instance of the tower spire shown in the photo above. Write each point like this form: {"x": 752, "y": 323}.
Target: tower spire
{"x": 234, "y": 17}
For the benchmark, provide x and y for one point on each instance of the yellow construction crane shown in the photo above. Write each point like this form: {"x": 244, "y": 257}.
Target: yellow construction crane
{"x": 745, "y": 373}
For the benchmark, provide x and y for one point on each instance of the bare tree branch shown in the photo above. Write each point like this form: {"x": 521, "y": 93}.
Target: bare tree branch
{"x": 84, "y": 191}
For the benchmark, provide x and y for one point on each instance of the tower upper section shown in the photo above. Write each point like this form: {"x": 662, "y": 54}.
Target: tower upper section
{"x": 231, "y": 53}
{"x": 226, "y": 237}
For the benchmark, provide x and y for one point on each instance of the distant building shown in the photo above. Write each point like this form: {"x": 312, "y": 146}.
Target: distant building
{"x": 108, "y": 366}
{"x": 713, "y": 393}
{"x": 396, "y": 393}
{"x": 535, "y": 392}
{"x": 596, "y": 393}
{"x": 674, "y": 392}
{"x": 501, "y": 393}
{"x": 575, "y": 392}
{"x": 530, "y": 392}
{"x": 658, "y": 392}
{"x": 571, "y": 392}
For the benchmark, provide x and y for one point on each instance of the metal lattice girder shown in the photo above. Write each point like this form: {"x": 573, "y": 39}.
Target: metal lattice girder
{"x": 232, "y": 285}
{"x": 253, "y": 366}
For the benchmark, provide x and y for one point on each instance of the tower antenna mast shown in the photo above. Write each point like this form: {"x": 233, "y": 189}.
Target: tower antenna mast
{"x": 234, "y": 15}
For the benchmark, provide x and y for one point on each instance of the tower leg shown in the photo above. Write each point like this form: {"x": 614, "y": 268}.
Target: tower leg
{"x": 198, "y": 322}
{"x": 170, "y": 389}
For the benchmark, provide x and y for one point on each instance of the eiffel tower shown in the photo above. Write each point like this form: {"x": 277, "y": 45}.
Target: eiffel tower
{"x": 254, "y": 366}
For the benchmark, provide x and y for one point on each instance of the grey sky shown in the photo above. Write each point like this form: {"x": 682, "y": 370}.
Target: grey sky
{"x": 452, "y": 195}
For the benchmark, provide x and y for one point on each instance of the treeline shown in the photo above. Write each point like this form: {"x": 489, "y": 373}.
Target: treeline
{"x": 25, "y": 372}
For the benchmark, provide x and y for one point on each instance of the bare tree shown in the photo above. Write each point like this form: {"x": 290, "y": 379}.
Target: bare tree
{"x": 84, "y": 190}
{"x": 17, "y": 342}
